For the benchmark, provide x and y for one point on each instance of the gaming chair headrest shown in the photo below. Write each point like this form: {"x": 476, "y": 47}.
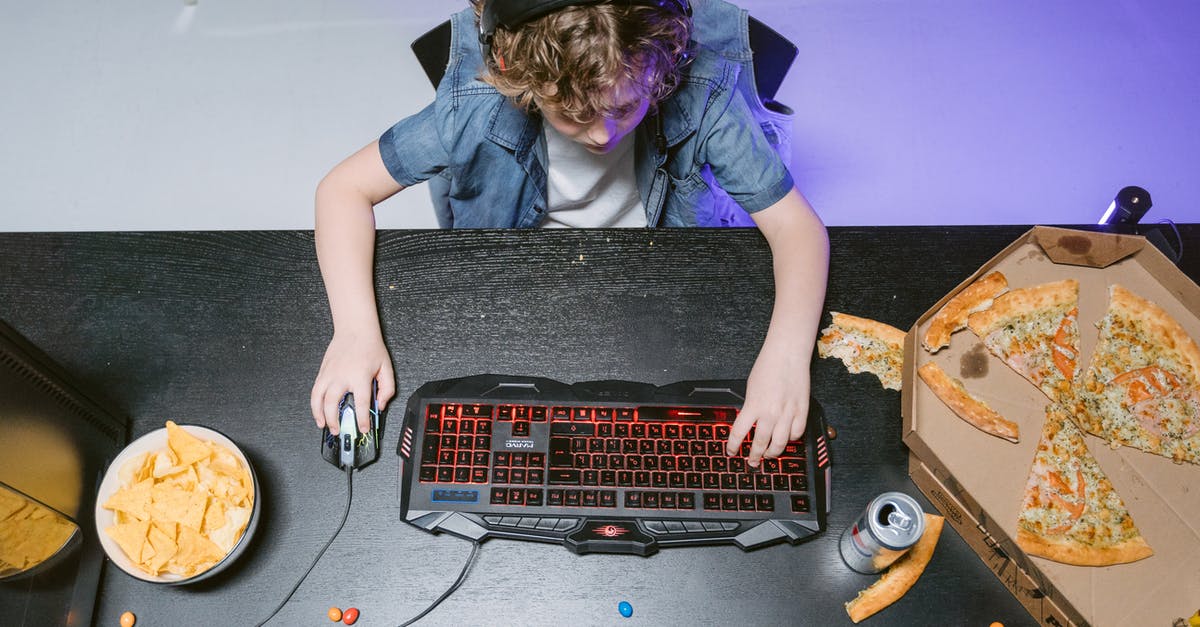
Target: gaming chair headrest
{"x": 513, "y": 13}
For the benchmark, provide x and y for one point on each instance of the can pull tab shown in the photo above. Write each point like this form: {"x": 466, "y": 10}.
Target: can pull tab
{"x": 900, "y": 520}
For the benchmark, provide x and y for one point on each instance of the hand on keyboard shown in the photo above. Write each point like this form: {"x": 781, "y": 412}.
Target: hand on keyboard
{"x": 350, "y": 365}
{"x": 776, "y": 407}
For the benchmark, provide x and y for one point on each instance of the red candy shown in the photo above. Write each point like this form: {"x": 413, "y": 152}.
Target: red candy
{"x": 350, "y": 615}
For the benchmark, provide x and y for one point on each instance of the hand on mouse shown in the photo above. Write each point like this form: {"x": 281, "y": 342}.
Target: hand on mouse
{"x": 351, "y": 363}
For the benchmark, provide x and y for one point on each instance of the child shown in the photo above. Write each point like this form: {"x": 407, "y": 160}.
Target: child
{"x": 608, "y": 113}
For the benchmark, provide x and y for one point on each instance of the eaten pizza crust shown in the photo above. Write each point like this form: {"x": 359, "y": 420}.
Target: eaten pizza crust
{"x": 1035, "y": 332}
{"x": 900, "y": 576}
{"x": 1077, "y": 555}
{"x": 865, "y": 345}
{"x": 1142, "y": 388}
{"x": 976, "y": 297}
{"x": 973, "y": 410}
{"x": 1070, "y": 512}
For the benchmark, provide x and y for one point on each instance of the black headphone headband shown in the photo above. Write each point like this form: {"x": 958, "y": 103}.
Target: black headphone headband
{"x": 512, "y": 13}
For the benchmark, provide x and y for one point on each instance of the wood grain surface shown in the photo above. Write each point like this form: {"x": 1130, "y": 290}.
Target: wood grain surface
{"x": 227, "y": 329}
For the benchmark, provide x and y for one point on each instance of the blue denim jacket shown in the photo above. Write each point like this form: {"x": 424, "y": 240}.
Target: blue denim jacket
{"x": 720, "y": 146}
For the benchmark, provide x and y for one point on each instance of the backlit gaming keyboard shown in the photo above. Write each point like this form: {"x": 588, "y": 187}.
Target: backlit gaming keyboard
{"x": 608, "y": 466}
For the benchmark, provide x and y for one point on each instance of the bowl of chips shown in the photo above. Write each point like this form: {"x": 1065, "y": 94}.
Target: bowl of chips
{"x": 33, "y": 535}
{"x": 178, "y": 505}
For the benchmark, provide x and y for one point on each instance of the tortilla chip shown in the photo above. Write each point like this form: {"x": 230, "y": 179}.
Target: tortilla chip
{"x": 131, "y": 537}
{"x": 165, "y": 464}
{"x": 170, "y": 503}
{"x": 214, "y": 517}
{"x": 196, "y": 553}
{"x": 10, "y": 503}
{"x": 194, "y": 514}
{"x": 164, "y": 547}
{"x": 228, "y": 534}
{"x": 187, "y": 448}
{"x": 134, "y": 501}
{"x": 147, "y": 469}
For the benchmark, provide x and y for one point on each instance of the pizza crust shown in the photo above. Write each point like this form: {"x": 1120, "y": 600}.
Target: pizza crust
{"x": 1067, "y": 552}
{"x": 973, "y": 410}
{"x": 976, "y": 297}
{"x": 873, "y": 328}
{"x": 900, "y": 576}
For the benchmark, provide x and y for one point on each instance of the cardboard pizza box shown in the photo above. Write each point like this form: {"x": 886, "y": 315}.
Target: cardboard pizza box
{"x": 977, "y": 480}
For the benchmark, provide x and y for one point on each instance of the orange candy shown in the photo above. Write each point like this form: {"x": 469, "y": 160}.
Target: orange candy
{"x": 128, "y": 619}
{"x": 335, "y": 614}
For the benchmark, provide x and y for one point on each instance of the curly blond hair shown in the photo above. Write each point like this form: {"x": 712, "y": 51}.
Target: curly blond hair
{"x": 580, "y": 59}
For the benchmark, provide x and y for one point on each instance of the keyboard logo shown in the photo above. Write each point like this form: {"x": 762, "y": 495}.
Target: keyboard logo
{"x": 518, "y": 444}
{"x": 608, "y": 530}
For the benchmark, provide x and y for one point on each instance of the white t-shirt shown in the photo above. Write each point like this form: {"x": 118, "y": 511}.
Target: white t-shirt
{"x": 587, "y": 190}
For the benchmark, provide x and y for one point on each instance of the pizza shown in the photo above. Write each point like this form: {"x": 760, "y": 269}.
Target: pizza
{"x": 900, "y": 576}
{"x": 1142, "y": 388}
{"x": 973, "y": 410}
{"x": 1034, "y": 331}
{"x": 1070, "y": 512}
{"x": 865, "y": 345}
{"x": 953, "y": 315}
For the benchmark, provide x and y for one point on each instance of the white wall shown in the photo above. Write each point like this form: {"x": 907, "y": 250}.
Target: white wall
{"x": 123, "y": 115}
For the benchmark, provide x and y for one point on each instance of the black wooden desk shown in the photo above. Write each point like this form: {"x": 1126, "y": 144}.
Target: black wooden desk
{"x": 228, "y": 329}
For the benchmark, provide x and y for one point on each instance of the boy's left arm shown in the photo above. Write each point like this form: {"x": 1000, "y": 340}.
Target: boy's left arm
{"x": 777, "y": 390}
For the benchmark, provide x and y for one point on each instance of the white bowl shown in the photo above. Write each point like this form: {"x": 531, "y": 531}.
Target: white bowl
{"x": 157, "y": 441}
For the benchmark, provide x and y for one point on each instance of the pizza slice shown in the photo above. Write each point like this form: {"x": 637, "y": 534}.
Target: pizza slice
{"x": 865, "y": 345}
{"x": 1070, "y": 512}
{"x": 1034, "y": 331}
{"x": 953, "y": 315}
{"x": 1142, "y": 388}
{"x": 966, "y": 406}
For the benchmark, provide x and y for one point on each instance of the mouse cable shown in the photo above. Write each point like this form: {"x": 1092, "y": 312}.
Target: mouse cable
{"x": 462, "y": 576}
{"x": 345, "y": 515}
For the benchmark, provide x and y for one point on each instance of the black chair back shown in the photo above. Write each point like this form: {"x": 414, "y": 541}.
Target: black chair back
{"x": 773, "y": 56}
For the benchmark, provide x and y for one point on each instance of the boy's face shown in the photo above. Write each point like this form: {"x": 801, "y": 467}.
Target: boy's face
{"x": 602, "y": 134}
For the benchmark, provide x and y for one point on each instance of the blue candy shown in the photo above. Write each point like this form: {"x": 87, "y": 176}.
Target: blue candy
{"x": 625, "y": 609}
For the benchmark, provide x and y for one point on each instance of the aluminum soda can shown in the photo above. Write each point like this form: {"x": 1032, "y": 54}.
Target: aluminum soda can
{"x": 891, "y": 523}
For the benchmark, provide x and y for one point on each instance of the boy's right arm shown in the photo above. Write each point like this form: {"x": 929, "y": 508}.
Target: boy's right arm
{"x": 345, "y": 240}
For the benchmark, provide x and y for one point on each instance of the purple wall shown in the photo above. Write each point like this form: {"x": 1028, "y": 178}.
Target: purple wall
{"x": 972, "y": 112}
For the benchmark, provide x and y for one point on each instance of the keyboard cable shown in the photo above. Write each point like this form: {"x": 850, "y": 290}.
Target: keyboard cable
{"x": 462, "y": 576}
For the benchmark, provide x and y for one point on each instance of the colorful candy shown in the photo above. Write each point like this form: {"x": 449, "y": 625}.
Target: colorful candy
{"x": 350, "y": 615}
{"x": 335, "y": 614}
{"x": 128, "y": 619}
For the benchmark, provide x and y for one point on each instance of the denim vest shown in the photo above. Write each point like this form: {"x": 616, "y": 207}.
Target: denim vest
{"x": 718, "y": 162}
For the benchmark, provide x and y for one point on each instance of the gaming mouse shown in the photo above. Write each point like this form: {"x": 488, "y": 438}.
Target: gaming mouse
{"x": 350, "y": 448}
